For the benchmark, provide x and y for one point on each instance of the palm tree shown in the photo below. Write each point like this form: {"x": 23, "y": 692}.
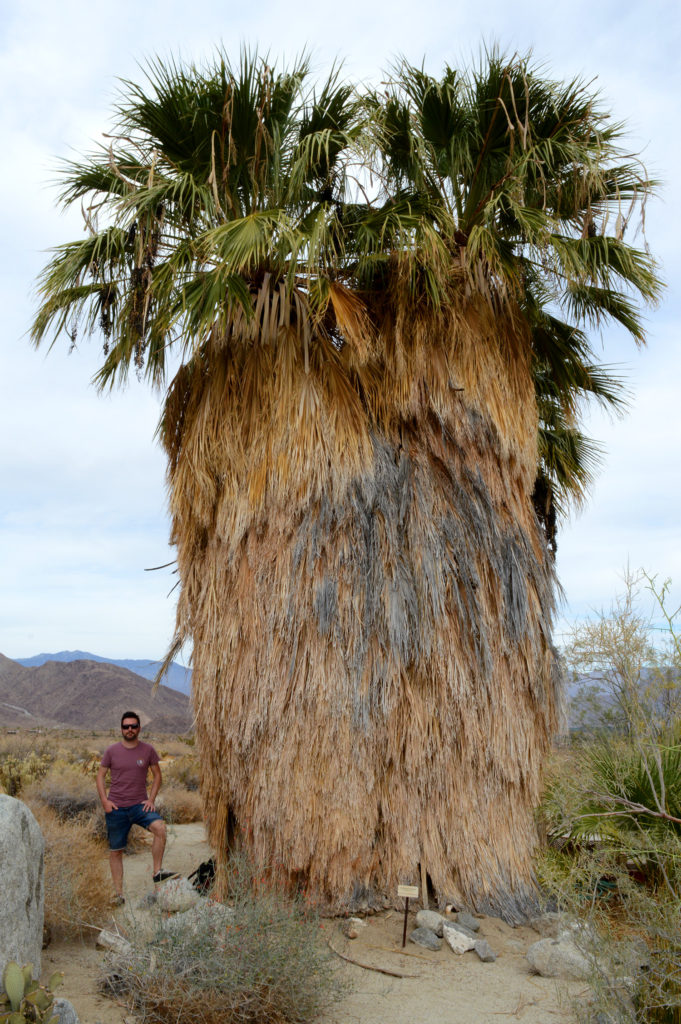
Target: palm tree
{"x": 376, "y": 301}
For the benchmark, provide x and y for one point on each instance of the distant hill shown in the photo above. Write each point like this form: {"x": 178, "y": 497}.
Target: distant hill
{"x": 86, "y": 694}
{"x": 177, "y": 677}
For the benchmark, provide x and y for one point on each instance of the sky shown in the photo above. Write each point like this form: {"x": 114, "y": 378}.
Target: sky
{"x": 83, "y": 509}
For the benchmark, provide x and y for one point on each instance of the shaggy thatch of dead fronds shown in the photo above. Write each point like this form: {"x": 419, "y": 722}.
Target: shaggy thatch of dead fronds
{"x": 369, "y": 597}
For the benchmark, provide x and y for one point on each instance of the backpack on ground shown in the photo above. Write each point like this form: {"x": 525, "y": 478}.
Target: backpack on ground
{"x": 203, "y": 877}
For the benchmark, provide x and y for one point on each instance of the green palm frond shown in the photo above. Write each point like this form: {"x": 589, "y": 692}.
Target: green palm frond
{"x": 492, "y": 181}
{"x": 625, "y": 784}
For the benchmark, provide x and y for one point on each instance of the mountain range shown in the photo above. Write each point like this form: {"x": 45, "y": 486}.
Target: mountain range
{"x": 86, "y": 694}
{"x": 177, "y": 677}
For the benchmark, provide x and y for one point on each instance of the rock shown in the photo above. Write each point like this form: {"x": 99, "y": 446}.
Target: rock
{"x": 457, "y": 940}
{"x": 176, "y": 895}
{"x": 485, "y": 951}
{"x": 550, "y": 925}
{"x": 468, "y": 921}
{"x": 559, "y": 958}
{"x": 63, "y": 1012}
{"x": 580, "y": 932}
{"x": 430, "y": 919}
{"x": 206, "y": 915}
{"x": 21, "y": 866}
{"x": 425, "y": 937}
{"x": 114, "y": 942}
{"x": 460, "y": 928}
{"x": 352, "y": 927}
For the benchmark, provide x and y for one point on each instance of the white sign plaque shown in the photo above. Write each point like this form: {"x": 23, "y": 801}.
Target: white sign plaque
{"x": 410, "y": 891}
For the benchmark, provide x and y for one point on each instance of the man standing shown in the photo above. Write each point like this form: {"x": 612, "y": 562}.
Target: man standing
{"x": 127, "y": 803}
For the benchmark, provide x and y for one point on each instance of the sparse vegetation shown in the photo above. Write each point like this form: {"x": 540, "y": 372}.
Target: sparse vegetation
{"x": 260, "y": 961}
{"x": 183, "y": 771}
{"x": 69, "y": 792}
{"x": 19, "y": 770}
{"x": 613, "y": 811}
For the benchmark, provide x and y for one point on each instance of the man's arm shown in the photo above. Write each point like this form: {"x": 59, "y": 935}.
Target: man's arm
{"x": 101, "y": 789}
{"x": 155, "y": 786}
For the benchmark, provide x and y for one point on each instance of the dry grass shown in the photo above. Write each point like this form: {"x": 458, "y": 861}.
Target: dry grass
{"x": 77, "y": 884}
{"x": 179, "y": 806}
{"x": 70, "y": 794}
{"x": 183, "y": 771}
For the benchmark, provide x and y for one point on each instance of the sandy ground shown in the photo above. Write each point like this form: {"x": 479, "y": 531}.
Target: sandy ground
{"x": 443, "y": 988}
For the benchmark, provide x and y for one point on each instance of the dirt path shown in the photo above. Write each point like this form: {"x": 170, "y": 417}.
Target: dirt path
{"x": 447, "y": 989}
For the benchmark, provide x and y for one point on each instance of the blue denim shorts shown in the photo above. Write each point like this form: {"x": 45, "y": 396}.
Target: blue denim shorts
{"x": 119, "y": 823}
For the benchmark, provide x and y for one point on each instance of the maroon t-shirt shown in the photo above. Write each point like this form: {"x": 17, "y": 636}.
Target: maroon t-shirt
{"x": 129, "y": 766}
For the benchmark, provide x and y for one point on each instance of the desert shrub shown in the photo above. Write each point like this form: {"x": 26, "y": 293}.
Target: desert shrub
{"x": 77, "y": 885}
{"x": 70, "y": 793}
{"x": 179, "y": 806}
{"x": 611, "y": 808}
{"x": 263, "y": 962}
{"x": 19, "y": 770}
{"x": 183, "y": 771}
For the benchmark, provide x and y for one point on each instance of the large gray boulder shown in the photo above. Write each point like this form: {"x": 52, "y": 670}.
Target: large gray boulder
{"x": 559, "y": 958}
{"x": 22, "y": 850}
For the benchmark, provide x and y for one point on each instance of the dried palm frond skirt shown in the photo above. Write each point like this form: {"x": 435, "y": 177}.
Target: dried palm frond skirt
{"x": 370, "y": 600}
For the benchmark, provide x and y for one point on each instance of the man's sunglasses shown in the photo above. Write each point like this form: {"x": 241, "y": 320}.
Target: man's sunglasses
{"x": 129, "y": 728}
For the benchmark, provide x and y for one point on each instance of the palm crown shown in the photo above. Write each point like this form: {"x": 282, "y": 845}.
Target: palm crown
{"x": 243, "y": 199}
{"x": 533, "y": 198}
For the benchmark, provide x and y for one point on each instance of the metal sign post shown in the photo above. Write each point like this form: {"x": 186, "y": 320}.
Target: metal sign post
{"x": 407, "y": 892}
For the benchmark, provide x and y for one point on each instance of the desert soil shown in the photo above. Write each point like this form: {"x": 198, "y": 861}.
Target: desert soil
{"x": 437, "y": 987}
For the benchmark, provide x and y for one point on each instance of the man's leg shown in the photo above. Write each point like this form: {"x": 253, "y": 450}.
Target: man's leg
{"x": 116, "y": 865}
{"x": 158, "y": 844}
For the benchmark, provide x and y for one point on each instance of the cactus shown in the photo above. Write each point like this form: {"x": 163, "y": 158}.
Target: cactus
{"x": 23, "y": 1000}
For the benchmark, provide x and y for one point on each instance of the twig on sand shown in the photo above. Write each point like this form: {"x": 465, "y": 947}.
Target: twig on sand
{"x": 400, "y": 952}
{"x": 369, "y": 967}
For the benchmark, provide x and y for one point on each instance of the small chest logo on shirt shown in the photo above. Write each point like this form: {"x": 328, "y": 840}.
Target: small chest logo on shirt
{"x": 140, "y": 762}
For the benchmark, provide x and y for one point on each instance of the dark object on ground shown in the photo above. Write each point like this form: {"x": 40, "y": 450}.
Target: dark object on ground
{"x": 203, "y": 877}
{"x": 163, "y": 876}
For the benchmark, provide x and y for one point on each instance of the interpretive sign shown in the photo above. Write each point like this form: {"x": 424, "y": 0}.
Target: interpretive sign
{"x": 407, "y": 892}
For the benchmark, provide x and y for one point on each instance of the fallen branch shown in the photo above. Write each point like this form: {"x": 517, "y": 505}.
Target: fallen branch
{"x": 399, "y": 952}
{"x": 368, "y": 967}
{"x": 631, "y": 808}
